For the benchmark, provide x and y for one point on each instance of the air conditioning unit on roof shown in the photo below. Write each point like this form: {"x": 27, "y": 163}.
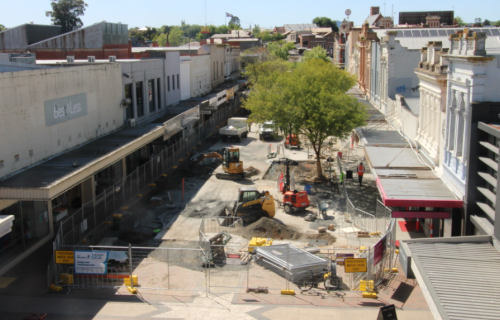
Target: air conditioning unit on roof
{"x": 131, "y": 122}
{"x": 91, "y": 59}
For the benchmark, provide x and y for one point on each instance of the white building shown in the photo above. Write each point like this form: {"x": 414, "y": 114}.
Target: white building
{"x": 473, "y": 77}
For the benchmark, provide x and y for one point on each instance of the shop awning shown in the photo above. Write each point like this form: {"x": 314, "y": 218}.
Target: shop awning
{"x": 417, "y": 193}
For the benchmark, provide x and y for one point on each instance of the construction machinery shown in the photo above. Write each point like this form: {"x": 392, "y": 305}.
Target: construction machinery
{"x": 292, "y": 200}
{"x": 231, "y": 164}
{"x": 292, "y": 141}
{"x": 250, "y": 206}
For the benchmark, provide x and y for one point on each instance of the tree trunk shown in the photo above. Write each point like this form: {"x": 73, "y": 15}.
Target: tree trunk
{"x": 319, "y": 170}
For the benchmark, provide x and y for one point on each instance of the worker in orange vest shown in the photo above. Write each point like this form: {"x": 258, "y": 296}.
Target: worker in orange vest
{"x": 361, "y": 171}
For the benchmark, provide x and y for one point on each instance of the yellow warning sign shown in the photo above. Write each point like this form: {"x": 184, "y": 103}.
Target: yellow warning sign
{"x": 355, "y": 265}
{"x": 65, "y": 257}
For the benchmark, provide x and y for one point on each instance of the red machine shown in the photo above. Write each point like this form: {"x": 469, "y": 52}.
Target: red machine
{"x": 292, "y": 142}
{"x": 292, "y": 200}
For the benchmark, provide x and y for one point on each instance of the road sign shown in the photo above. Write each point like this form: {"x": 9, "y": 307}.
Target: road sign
{"x": 355, "y": 265}
{"x": 65, "y": 257}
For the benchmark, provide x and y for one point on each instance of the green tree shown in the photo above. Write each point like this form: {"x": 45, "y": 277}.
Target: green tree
{"x": 497, "y": 24}
{"x": 150, "y": 33}
{"x": 280, "y": 51}
{"x": 65, "y": 13}
{"x": 460, "y": 22}
{"x": 316, "y": 53}
{"x": 234, "y": 21}
{"x": 176, "y": 37}
{"x": 312, "y": 99}
{"x": 324, "y": 22}
{"x": 256, "y": 31}
{"x": 2, "y": 27}
{"x": 486, "y": 22}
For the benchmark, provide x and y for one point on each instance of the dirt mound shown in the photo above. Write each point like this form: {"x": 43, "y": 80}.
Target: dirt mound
{"x": 269, "y": 228}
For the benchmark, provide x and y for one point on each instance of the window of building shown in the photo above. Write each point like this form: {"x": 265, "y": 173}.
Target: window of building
{"x": 129, "y": 112}
{"x": 168, "y": 83}
{"x": 158, "y": 92}
{"x": 305, "y": 43}
{"x": 178, "y": 82}
{"x": 139, "y": 96}
{"x": 151, "y": 95}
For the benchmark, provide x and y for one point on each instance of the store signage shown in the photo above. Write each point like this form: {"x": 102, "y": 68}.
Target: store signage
{"x": 421, "y": 214}
{"x": 65, "y": 257}
{"x": 355, "y": 265}
{"x": 64, "y": 109}
{"x": 91, "y": 262}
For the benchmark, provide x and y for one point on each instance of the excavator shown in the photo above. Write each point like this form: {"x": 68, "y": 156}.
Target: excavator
{"x": 231, "y": 164}
{"x": 292, "y": 200}
{"x": 250, "y": 206}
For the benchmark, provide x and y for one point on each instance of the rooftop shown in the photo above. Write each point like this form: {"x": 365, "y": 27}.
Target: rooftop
{"x": 50, "y": 172}
{"x": 461, "y": 275}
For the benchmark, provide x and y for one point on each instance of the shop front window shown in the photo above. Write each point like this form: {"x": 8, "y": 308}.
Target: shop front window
{"x": 151, "y": 95}
{"x": 108, "y": 177}
{"x": 140, "y": 99}
{"x": 129, "y": 113}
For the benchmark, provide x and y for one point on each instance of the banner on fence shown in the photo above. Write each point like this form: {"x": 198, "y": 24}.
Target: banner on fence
{"x": 91, "y": 262}
{"x": 341, "y": 256}
{"x": 379, "y": 250}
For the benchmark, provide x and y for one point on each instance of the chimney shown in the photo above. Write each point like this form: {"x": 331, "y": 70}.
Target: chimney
{"x": 374, "y": 10}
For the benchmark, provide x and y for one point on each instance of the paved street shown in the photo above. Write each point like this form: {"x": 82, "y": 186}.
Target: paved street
{"x": 27, "y": 293}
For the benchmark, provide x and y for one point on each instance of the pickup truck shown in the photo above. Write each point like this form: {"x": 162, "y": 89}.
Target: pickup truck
{"x": 266, "y": 131}
{"x": 237, "y": 128}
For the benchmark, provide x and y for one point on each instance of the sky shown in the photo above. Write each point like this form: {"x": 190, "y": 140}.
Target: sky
{"x": 265, "y": 13}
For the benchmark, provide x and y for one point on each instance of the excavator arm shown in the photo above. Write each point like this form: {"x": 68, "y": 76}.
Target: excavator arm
{"x": 202, "y": 157}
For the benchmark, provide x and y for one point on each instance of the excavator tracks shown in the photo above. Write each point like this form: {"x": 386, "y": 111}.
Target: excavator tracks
{"x": 227, "y": 176}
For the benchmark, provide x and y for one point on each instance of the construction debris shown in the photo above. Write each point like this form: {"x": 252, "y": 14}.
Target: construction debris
{"x": 251, "y": 171}
{"x": 258, "y": 290}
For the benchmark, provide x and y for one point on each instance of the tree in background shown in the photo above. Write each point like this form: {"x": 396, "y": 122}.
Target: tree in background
{"x": 65, "y": 13}
{"x": 460, "y": 21}
{"x": 280, "y": 50}
{"x": 312, "y": 99}
{"x": 324, "y": 22}
{"x": 486, "y": 22}
{"x": 235, "y": 21}
{"x": 150, "y": 33}
{"x": 256, "y": 31}
{"x": 316, "y": 53}
{"x": 497, "y": 24}
{"x": 2, "y": 27}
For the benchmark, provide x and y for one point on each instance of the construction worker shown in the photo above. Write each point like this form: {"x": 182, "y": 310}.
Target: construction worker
{"x": 361, "y": 171}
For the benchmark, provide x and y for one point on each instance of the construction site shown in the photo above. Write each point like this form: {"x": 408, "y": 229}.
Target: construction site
{"x": 250, "y": 218}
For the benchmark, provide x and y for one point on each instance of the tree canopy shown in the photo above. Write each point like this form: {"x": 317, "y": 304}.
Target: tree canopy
{"x": 460, "y": 21}
{"x": 316, "y": 53}
{"x": 2, "y": 27}
{"x": 280, "y": 50}
{"x": 308, "y": 98}
{"x": 324, "y": 22}
{"x": 66, "y": 13}
{"x": 235, "y": 21}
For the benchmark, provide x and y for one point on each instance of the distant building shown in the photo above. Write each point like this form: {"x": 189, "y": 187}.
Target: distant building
{"x": 420, "y": 17}
{"x": 100, "y": 40}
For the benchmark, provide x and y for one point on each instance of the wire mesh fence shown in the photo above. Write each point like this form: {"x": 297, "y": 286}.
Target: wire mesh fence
{"x": 85, "y": 221}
